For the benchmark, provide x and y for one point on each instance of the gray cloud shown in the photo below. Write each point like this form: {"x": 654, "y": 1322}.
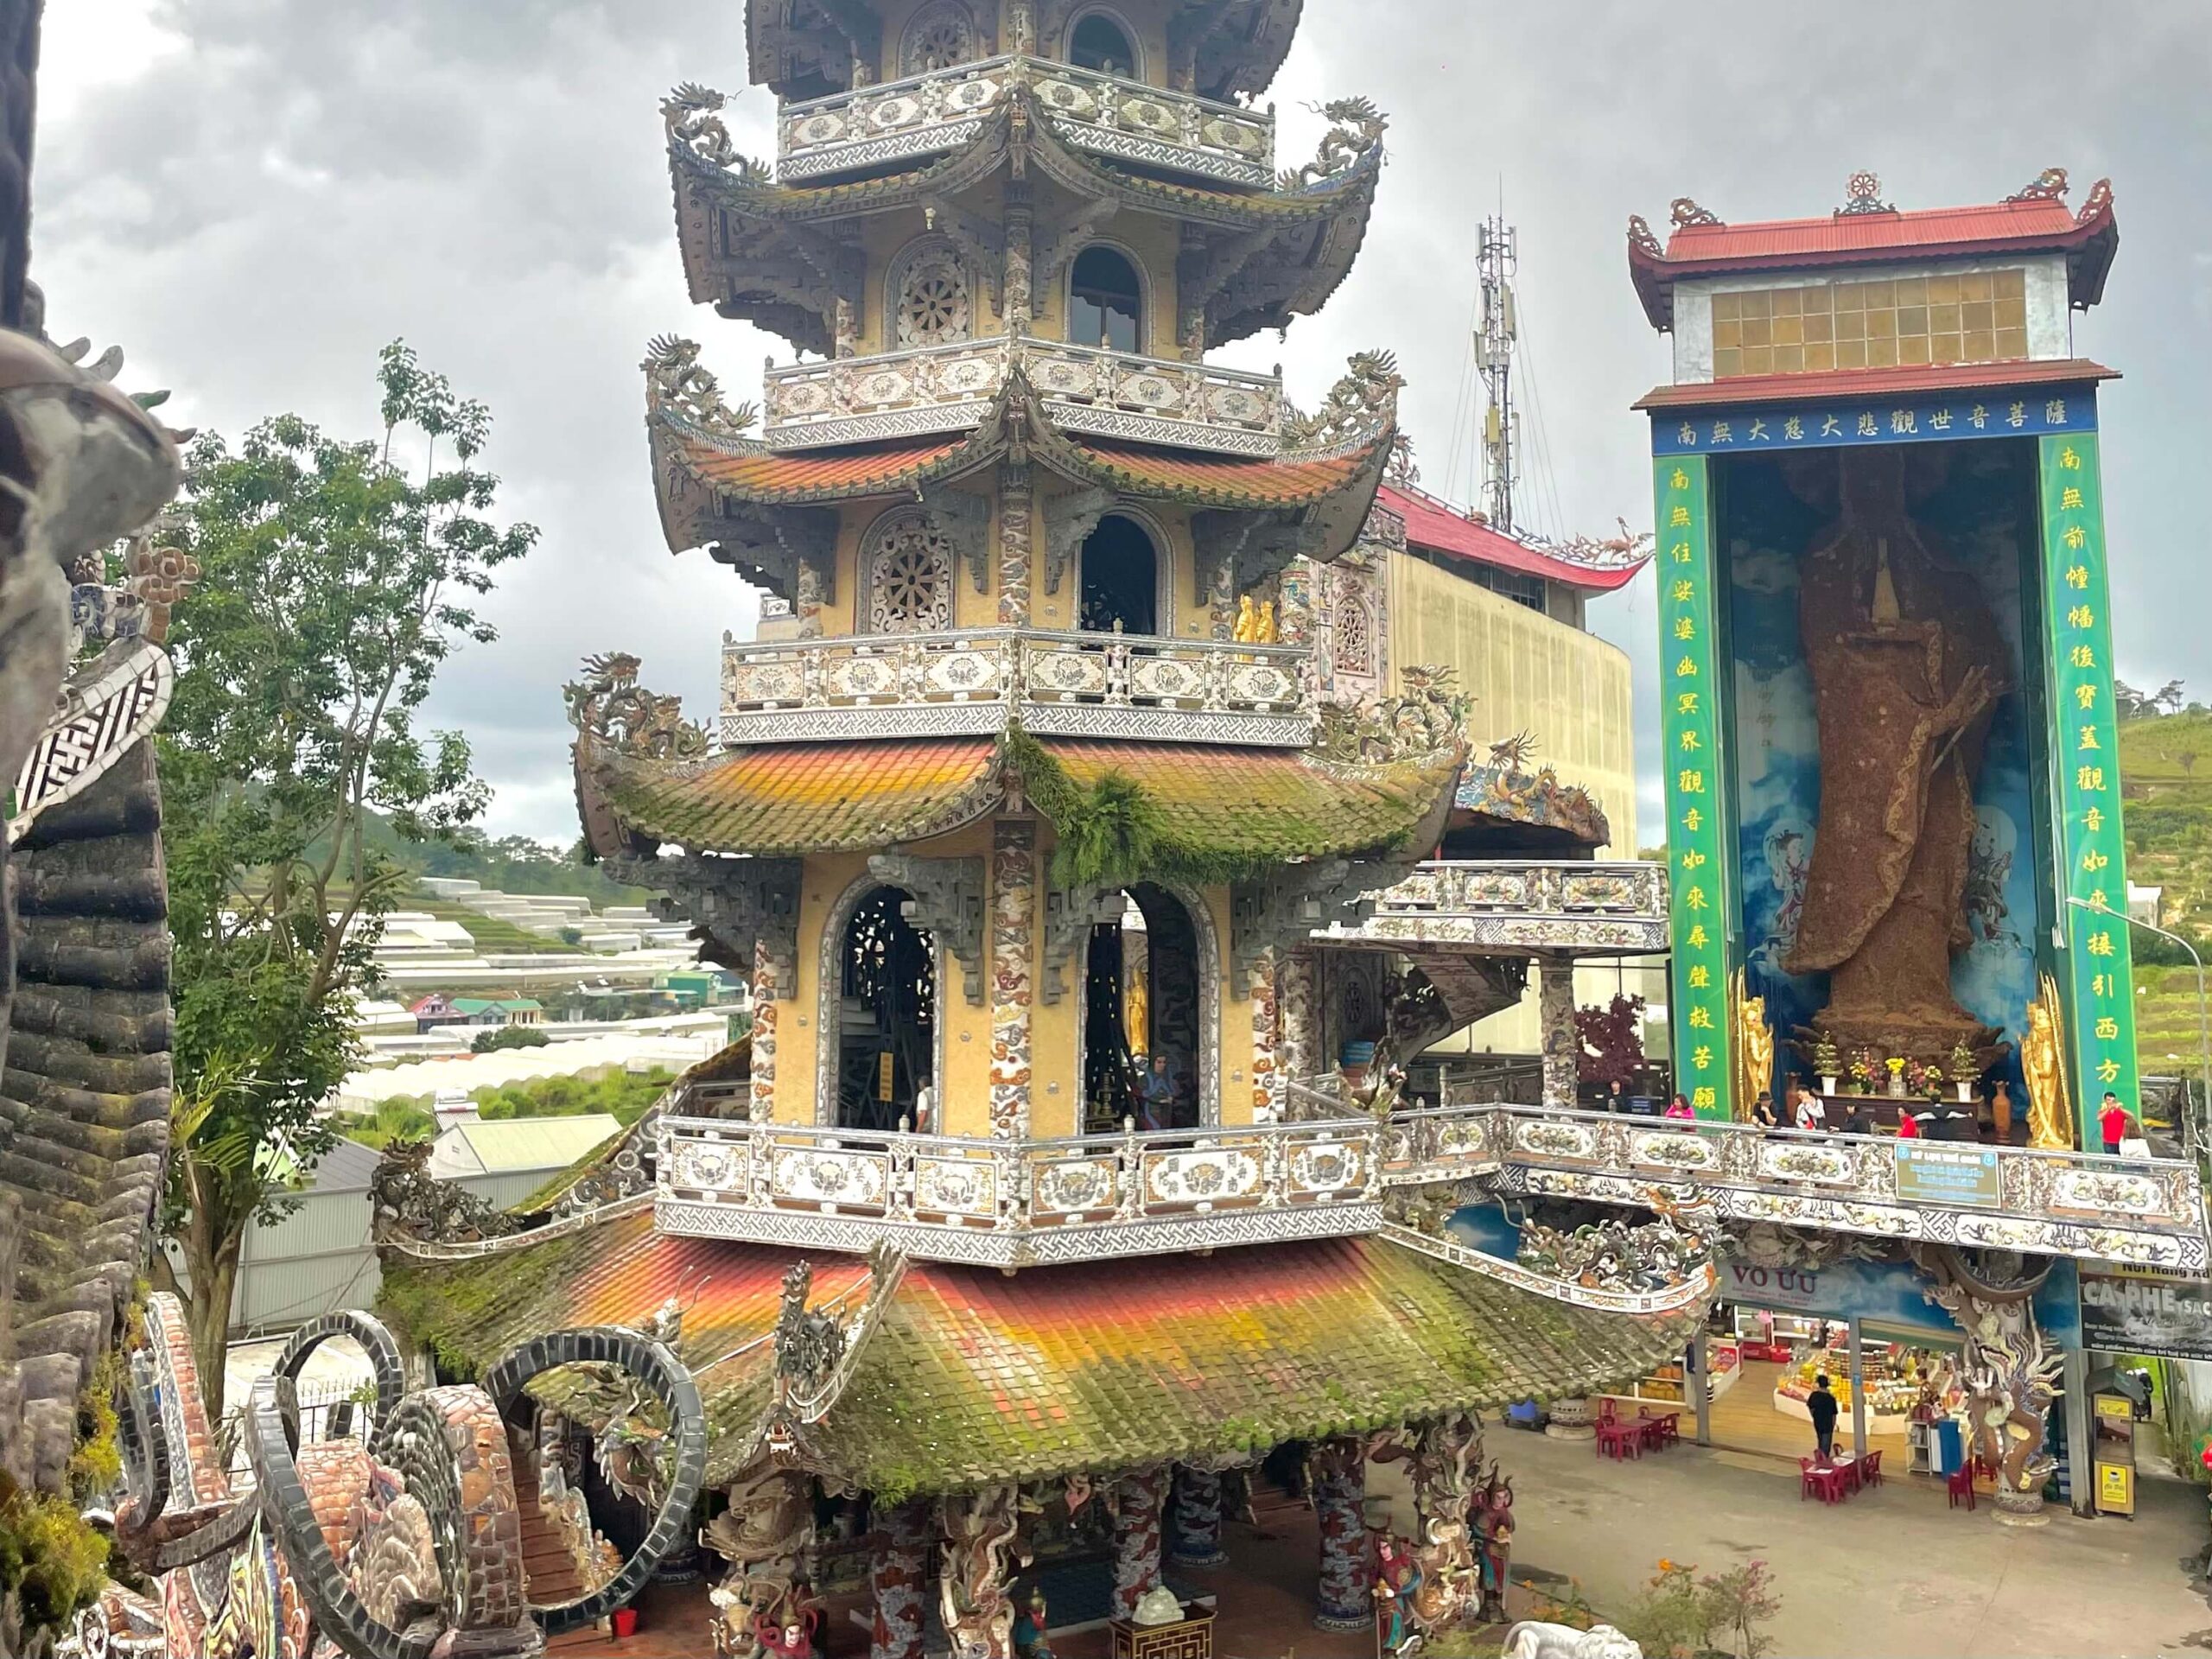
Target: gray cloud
{"x": 255, "y": 211}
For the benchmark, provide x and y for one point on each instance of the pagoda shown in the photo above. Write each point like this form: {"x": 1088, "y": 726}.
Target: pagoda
{"x": 1014, "y": 1235}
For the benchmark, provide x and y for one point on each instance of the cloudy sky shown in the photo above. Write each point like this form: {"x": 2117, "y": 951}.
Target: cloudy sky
{"x": 251, "y": 196}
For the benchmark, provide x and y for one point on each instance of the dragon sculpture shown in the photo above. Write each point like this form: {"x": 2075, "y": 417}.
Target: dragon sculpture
{"x": 2011, "y": 1372}
{"x": 406, "y": 1199}
{"x": 764, "y": 1535}
{"x": 1424, "y": 719}
{"x": 402, "y": 1546}
{"x": 1441, "y": 1460}
{"x": 692, "y": 114}
{"x": 1360, "y": 406}
{"x": 1610, "y": 1254}
{"x": 611, "y": 708}
{"x": 980, "y": 1529}
{"x": 1355, "y": 128}
{"x": 675, "y": 383}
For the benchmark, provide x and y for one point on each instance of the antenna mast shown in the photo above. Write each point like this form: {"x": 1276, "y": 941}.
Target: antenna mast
{"x": 1496, "y": 262}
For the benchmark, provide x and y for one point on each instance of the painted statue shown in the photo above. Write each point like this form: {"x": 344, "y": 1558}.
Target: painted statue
{"x": 1031, "y": 1638}
{"x": 1493, "y": 1520}
{"x": 1907, "y": 664}
{"x": 1397, "y": 1590}
{"x": 2042, "y": 1063}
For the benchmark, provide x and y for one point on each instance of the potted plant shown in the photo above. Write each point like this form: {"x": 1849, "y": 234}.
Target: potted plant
{"x": 1894, "y": 1066}
{"x": 1827, "y": 1061}
{"x": 1963, "y": 1070}
{"x": 1862, "y": 1070}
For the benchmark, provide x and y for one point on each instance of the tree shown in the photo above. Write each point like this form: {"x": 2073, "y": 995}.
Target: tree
{"x": 491, "y": 1042}
{"x": 2168, "y": 697}
{"x": 1608, "y": 1043}
{"x": 336, "y": 576}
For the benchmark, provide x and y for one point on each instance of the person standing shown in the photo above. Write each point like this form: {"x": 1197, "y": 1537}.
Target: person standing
{"x": 1680, "y": 1107}
{"x": 2113, "y": 1123}
{"x": 1908, "y": 1126}
{"x": 1822, "y": 1406}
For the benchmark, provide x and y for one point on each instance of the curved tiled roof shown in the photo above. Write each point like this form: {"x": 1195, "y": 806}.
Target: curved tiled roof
{"x": 1439, "y": 527}
{"x": 801, "y": 797}
{"x": 965, "y": 1375}
{"x": 2032, "y": 222}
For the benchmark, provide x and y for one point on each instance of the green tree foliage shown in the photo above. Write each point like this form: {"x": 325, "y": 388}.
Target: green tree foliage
{"x": 337, "y": 576}
{"x": 490, "y": 1042}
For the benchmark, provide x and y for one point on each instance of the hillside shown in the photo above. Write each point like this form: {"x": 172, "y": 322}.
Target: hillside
{"x": 2166, "y": 768}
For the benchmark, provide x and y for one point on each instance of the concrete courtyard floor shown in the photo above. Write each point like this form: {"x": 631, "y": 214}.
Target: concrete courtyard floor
{"x": 1891, "y": 1574}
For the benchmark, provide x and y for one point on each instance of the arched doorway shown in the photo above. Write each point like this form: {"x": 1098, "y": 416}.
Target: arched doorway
{"x": 884, "y": 1014}
{"x": 1098, "y": 42}
{"x": 1145, "y": 1001}
{"x": 1105, "y": 301}
{"x": 1118, "y": 571}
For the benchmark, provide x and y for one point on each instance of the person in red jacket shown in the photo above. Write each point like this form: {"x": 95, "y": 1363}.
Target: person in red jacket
{"x": 2113, "y": 1122}
{"x": 1908, "y": 1126}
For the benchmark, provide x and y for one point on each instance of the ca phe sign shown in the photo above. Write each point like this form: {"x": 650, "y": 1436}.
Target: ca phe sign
{"x": 2146, "y": 1312}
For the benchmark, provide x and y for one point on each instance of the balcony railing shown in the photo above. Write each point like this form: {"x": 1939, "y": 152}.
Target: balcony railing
{"x": 957, "y": 683}
{"x": 929, "y": 114}
{"x": 950, "y": 387}
{"x": 1011, "y": 1203}
{"x": 1500, "y": 904}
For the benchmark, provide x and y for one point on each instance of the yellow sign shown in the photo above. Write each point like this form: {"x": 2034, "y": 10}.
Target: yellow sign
{"x": 883, "y": 1075}
{"x": 2113, "y": 1405}
{"x": 2115, "y": 1488}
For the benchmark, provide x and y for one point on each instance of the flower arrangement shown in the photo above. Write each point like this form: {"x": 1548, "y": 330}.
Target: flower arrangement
{"x": 1963, "y": 1065}
{"x": 1826, "y": 1060}
{"x": 1895, "y": 1064}
{"x": 1862, "y": 1068}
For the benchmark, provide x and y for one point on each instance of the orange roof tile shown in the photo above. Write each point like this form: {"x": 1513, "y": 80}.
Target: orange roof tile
{"x": 973, "y": 1376}
{"x": 814, "y": 474}
{"x": 1436, "y": 525}
{"x": 1219, "y": 480}
{"x": 798, "y": 797}
{"x": 2036, "y": 224}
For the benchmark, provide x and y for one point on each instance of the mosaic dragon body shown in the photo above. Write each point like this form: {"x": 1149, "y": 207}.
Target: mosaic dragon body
{"x": 400, "y": 1547}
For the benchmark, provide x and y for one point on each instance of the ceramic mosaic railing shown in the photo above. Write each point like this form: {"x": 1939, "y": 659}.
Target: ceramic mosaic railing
{"x": 1017, "y": 1203}
{"x": 1512, "y": 905}
{"x": 950, "y": 388}
{"x": 1013, "y": 1203}
{"x": 1108, "y": 115}
{"x": 957, "y": 683}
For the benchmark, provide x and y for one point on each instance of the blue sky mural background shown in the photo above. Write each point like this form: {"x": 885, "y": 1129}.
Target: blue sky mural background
{"x": 1979, "y": 515}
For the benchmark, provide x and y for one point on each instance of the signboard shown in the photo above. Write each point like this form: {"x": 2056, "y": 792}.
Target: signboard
{"x": 1690, "y": 688}
{"x": 2085, "y": 755}
{"x": 1932, "y": 419}
{"x": 1893, "y": 1295}
{"x": 2146, "y": 1312}
{"x": 1948, "y": 1173}
{"x": 2115, "y": 1488}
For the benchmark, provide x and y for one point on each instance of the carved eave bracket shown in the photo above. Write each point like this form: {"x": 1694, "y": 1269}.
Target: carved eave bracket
{"x": 946, "y": 897}
{"x": 1070, "y": 915}
{"x": 733, "y": 902}
{"x": 1288, "y": 906}
{"x": 1070, "y": 517}
{"x": 965, "y": 520}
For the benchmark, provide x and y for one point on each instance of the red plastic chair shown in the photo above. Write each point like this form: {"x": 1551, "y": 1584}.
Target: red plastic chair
{"x": 1959, "y": 1483}
{"x": 1807, "y": 1482}
{"x": 1870, "y": 1469}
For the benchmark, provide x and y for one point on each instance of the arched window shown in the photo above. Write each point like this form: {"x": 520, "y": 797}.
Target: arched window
{"x": 1105, "y": 301}
{"x": 909, "y": 574}
{"x": 883, "y": 1021}
{"x": 1098, "y": 42}
{"x": 937, "y": 37}
{"x": 1119, "y": 570}
{"x": 1149, "y": 1023}
{"x": 929, "y": 296}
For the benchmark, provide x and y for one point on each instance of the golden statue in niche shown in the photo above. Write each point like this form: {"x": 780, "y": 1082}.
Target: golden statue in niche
{"x": 2043, "y": 1062}
{"x": 1907, "y": 664}
{"x": 1754, "y": 1045}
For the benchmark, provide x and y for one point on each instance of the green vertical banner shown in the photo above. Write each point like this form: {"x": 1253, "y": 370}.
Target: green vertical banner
{"x": 1690, "y": 690}
{"x": 2085, "y": 754}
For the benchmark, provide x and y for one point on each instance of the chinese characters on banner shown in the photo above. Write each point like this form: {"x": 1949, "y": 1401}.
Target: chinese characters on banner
{"x": 2023, "y": 414}
{"x": 1690, "y": 693}
{"x": 2085, "y": 753}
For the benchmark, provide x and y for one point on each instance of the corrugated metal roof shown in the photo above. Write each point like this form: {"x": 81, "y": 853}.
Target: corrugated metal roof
{"x": 533, "y": 1142}
{"x": 346, "y": 1166}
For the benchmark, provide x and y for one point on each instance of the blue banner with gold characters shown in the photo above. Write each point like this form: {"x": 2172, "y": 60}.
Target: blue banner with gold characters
{"x": 1923, "y": 419}
{"x": 2086, "y": 756}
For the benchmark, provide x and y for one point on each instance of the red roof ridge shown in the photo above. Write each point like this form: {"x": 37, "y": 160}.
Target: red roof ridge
{"x": 1461, "y": 533}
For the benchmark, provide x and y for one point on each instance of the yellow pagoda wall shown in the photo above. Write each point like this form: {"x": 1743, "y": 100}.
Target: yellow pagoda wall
{"x": 1234, "y": 1073}
{"x": 1144, "y": 23}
